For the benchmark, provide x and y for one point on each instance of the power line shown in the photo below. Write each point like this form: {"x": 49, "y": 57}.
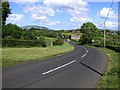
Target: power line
{"x": 107, "y": 14}
{"x": 104, "y": 23}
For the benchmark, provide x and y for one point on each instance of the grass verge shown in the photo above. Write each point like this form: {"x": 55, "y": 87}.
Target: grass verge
{"x": 13, "y": 56}
{"x": 110, "y": 79}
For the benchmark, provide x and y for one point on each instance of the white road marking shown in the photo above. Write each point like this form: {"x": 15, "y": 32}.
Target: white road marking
{"x": 87, "y": 51}
{"x": 84, "y": 55}
{"x": 58, "y": 67}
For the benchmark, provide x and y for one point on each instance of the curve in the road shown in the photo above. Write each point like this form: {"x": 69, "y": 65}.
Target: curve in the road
{"x": 80, "y": 69}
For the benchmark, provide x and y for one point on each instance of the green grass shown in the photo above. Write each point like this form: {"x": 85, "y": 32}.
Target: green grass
{"x": 13, "y": 56}
{"x": 110, "y": 80}
{"x": 66, "y": 33}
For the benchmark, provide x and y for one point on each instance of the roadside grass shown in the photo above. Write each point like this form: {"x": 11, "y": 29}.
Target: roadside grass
{"x": 110, "y": 78}
{"x": 13, "y": 56}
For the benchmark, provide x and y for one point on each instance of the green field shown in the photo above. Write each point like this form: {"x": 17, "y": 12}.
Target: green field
{"x": 110, "y": 80}
{"x": 66, "y": 33}
{"x": 13, "y": 56}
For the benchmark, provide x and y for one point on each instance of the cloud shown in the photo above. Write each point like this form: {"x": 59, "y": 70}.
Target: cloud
{"x": 39, "y": 12}
{"x": 15, "y": 17}
{"x": 110, "y": 24}
{"x": 19, "y": 1}
{"x": 53, "y": 23}
{"x": 78, "y": 9}
{"x": 80, "y": 19}
{"x": 104, "y": 11}
{"x": 64, "y": 3}
{"x": 38, "y": 9}
{"x": 39, "y": 18}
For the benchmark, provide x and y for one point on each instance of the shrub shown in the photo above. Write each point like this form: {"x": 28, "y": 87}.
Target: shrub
{"x": 113, "y": 47}
{"x": 67, "y": 36}
{"x": 59, "y": 41}
{"x": 23, "y": 43}
{"x": 11, "y": 30}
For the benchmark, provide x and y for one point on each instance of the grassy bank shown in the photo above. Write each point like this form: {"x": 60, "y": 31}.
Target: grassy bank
{"x": 110, "y": 80}
{"x": 13, "y": 56}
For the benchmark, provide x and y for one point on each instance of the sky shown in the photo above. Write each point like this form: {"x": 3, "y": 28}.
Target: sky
{"x": 63, "y": 14}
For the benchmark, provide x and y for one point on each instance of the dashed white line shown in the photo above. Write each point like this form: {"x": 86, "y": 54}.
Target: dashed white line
{"x": 84, "y": 55}
{"x": 58, "y": 67}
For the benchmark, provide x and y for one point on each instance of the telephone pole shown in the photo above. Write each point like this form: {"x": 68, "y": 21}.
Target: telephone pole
{"x": 104, "y": 36}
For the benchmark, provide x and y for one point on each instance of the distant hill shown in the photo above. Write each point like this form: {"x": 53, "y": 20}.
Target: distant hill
{"x": 34, "y": 26}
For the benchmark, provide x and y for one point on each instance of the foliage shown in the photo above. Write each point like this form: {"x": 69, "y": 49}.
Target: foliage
{"x": 27, "y": 35}
{"x": 5, "y": 10}
{"x": 11, "y": 30}
{"x": 59, "y": 41}
{"x": 67, "y": 36}
{"x": 90, "y": 32}
{"x": 23, "y": 43}
{"x": 114, "y": 48}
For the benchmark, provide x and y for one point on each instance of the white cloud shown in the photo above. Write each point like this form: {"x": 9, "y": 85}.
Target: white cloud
{"x": 80, "y": 19}
{"x": 18, "y": 1}
{"x": 78, "y": 9}
{"x": 64, "y": 3}
{"x": 110, "y": 24}
{"x": 39, "y": 12}
{"x": 38, "y": 9}
{"x": 40, "y": 18}
{"x": 16, "y": 17}
{"x": 104, "y": 11}
{"x": 53, "y": 23}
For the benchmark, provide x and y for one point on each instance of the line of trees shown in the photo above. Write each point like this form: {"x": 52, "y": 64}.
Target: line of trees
{"x": 13, "y": 36}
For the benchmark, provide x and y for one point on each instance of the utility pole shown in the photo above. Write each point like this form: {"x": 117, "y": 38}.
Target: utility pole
{"x": 104, "y": 36}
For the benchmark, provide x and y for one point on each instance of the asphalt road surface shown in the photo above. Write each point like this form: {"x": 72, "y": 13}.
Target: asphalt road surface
{"x": 81, "y": 68}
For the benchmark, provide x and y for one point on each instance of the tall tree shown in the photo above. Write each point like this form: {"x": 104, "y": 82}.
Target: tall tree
{"x": 11, "y": 30}
{"x": 5, "y": 10}
{"x": 89, "y": 31}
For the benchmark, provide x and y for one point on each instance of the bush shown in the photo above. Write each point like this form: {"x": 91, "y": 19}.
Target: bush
{"x": 113, "y": 47}
{"x": 27, "y": 35}
{"x": 12, "y": 30}
{"x": 23, "y": 43}
{"x": 99, "y": 43}
{"x": 59, "y": 41}
{"x": 67, "y": 36}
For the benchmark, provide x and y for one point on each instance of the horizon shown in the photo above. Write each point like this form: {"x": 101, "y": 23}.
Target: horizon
{"x": 58, "y": 15}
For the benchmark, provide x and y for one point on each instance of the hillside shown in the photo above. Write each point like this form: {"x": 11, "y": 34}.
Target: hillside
{"x": 34, "y": 26}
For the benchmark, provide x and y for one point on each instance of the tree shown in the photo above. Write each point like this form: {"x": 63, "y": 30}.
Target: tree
{"x": 5, "y": 11}
{"x": 11, "y": 30}
{"x": 89, "y": 31}
{"x": 27, "y": 35}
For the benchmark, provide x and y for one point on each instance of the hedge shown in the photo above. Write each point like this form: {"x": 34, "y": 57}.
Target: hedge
{"x": 59, "y": 41}
{"x": 113, "y": 47}
{"x": 23, "y": 43}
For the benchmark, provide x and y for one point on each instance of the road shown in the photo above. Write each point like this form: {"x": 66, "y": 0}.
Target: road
{"x": 81, "y": 68}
